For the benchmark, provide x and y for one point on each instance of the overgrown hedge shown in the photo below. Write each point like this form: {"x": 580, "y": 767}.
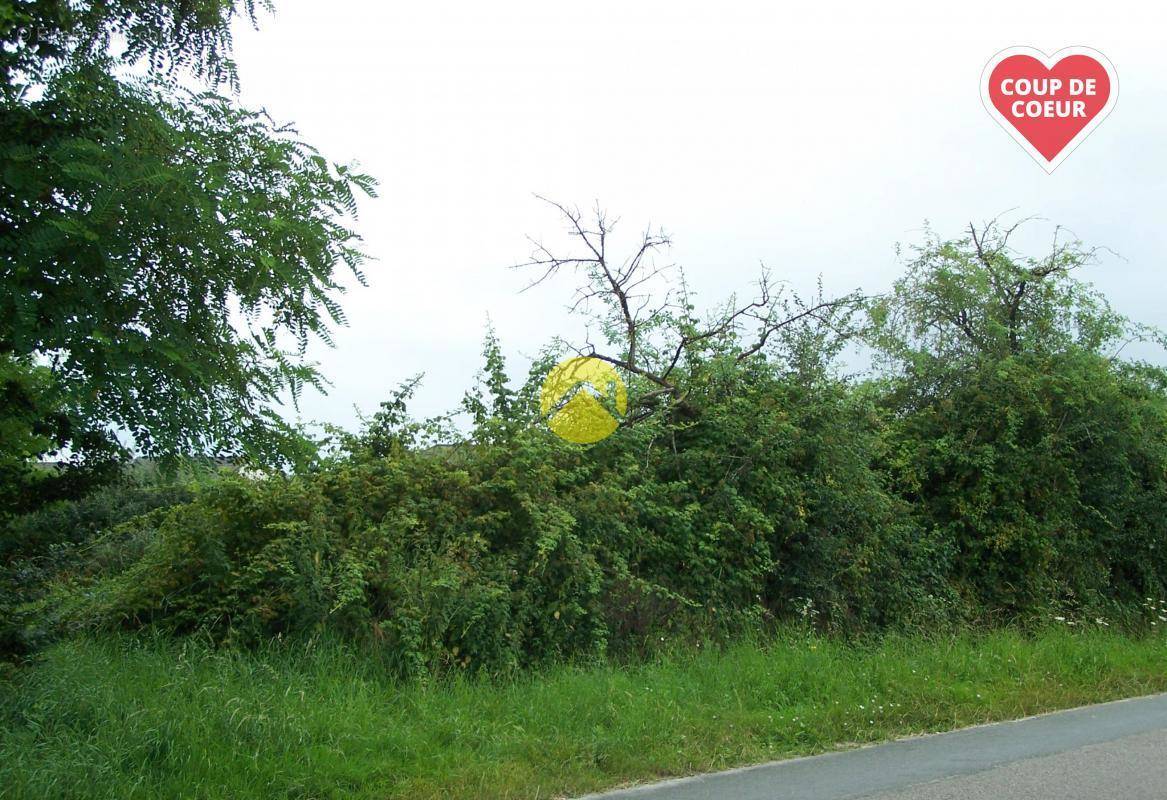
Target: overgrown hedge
{"x": 988, "y": 477}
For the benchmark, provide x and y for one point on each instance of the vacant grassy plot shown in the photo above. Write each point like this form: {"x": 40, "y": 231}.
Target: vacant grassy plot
{"x": 132, "y": 719}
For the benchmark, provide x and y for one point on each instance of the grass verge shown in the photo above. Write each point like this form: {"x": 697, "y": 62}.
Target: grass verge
{"x": 126, "y": 718}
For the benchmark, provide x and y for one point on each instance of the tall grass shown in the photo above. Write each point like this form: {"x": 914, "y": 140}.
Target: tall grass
{"x": 143, "y": 718}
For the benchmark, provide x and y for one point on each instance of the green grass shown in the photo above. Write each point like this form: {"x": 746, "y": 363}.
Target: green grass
{"x": 123, "y": 718}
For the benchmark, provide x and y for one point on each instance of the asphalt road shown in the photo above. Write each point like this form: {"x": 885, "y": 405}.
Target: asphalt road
{"x": 1114, "y": 750}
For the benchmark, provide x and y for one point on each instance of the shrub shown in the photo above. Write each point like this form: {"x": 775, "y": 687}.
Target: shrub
{"x": 1002, "y": 464}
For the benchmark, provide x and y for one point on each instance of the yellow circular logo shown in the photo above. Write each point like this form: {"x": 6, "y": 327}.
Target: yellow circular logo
{"x": 572, "y": 399}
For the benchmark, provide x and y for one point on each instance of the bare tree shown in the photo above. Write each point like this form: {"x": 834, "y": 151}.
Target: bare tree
{"x": 656, "y": 336}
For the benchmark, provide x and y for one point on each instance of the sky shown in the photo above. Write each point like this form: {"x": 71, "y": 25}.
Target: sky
{"x": 809, "y": 139}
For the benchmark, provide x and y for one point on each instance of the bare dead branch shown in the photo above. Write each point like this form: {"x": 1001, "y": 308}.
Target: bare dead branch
{"x": 656, "y": 336}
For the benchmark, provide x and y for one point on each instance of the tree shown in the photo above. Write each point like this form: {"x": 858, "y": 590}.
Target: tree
{"x": 658, "y": 338}
{"x": 165, "y": 253}
{"x": 39, "y": 35}
{"x": 1021, "y": 439}
{"x": 973, "y": 299}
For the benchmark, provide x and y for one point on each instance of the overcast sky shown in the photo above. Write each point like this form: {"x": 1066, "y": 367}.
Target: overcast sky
{"x": 811, "y": 139}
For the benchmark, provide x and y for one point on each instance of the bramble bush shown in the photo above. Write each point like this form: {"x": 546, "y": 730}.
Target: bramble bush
{"x": 70, "y": 537}
{"x": 1001, "y": 464}
{"x": 504, "y": 553}
{"x": 1022, "y": 440}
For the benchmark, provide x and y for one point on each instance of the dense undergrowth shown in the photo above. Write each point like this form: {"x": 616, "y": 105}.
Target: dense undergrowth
{"x": 1000, "y": 464}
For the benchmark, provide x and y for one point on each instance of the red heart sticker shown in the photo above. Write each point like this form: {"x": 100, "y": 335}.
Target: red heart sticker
{"x": 1049, "y": 104}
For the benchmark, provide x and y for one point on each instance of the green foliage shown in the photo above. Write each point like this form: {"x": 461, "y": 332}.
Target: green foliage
{"x": 138, "y": 227}
{"x": 40, "y": 35}
{"x": 1026, "y": 446}
{"x": 512, "y": 548}
{"x": 25, "y": 426}
{"x": 1006, "y": 472}
{"x": 166, "y": 254}
{"x": 67, "y": 540}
